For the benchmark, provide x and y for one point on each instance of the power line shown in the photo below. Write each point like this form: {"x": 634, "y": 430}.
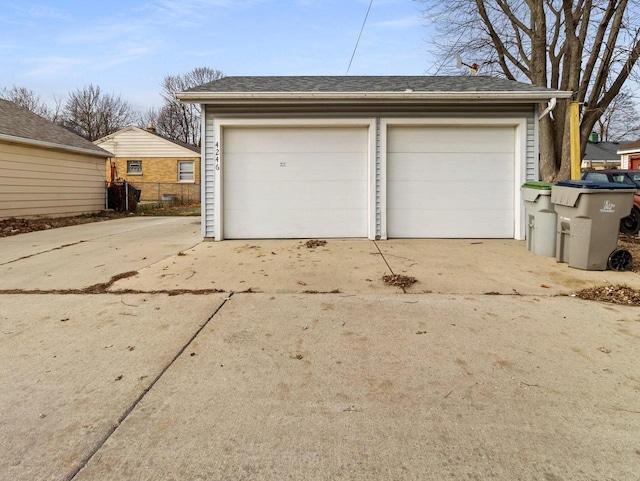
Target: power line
{"x": 360, "y": 35}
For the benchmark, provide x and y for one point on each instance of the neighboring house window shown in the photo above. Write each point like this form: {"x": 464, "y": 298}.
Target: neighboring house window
{"x": 134, "y": 167}
{"x": 186, "y": 171}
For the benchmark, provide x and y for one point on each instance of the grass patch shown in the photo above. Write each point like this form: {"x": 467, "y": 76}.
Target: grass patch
{"x": 171, "y": 210}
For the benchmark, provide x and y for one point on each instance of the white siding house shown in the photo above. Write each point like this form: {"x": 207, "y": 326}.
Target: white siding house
{"x": 630, "y": 155}
{"x": 136, "y": 142}
{"x": 46, "y": 170}
{"x": 373, "y": 157}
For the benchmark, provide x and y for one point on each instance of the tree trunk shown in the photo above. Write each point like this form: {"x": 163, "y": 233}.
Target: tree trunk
{"x": 564, "y": 172}
{"x": 547, "y": 163}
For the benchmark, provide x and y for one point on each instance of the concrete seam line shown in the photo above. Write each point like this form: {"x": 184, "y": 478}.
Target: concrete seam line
{"x": 384, "y": 258}
{"x": 43, "y": 252}
{"x": 65, "y": 245}
{"x": 135, "y": 403}
{"x": 78, "y": 243}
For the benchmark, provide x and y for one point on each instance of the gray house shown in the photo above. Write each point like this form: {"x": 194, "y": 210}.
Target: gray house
{"x": 601, "y": 155}
{"x": 372, "y": 157}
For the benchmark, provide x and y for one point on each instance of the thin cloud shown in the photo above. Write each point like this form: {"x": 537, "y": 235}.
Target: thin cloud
{"x": 192, "y": 8}
{"x": 150, "y": 16}
{"x": 55, "y": 65}
{"x": 203, "y": 53}
{"x": 105, "y": 32}
{"x": 406, "y": 22}
{"x": 45, "y": 11}
{"x": 124, "y": 56}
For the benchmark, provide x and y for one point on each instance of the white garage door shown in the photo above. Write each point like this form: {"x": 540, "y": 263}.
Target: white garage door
{"x": 450, "y": 181}
{"x": 294, "y": 182}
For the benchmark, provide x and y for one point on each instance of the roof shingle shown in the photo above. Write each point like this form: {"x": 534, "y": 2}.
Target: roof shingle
{"x": 20, "y": 123}
{"x": 602, "y": 151}
{"x": 630, "y": 146}
{"x": 420, "y": 83}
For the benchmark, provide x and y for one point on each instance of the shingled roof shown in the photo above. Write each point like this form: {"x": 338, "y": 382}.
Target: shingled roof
{"x": 602, "y": 151}
{"x": 629, "y": 147}
{"x": 18, "y": 124}
{"x": 354, "y": 84}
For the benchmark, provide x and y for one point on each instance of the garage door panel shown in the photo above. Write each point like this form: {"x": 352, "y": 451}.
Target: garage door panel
{"x": 439, "y": 167}
{"x": 447, "y": 195}
{"x": 289, "y": 167}
{"x": 295, "y": 182}
{"x": 438, "y": 224}
{"x": 450, "y": 181}
{"x": 301, "y": 223}
{"x": 295, "y": 140}
{"x": 450, "y": 139}
{"x": 313, "y": 195}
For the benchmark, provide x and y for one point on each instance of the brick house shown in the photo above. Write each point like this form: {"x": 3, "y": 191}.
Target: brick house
{"x": 162, "y": 168}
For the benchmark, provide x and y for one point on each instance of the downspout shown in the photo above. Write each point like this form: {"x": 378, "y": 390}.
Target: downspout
{"x": 549, "y": 109}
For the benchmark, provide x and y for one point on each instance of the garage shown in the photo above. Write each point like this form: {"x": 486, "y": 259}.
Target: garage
{"x": 367, "y": 156}
{"x": 295, "y": 182}
{"x": 450, "y": 181}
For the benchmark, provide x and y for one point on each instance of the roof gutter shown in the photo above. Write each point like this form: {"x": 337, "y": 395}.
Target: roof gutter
{"x": 624, "y": 151}
{"x": 210, "y": 97}
{"x": 51, "y": 145}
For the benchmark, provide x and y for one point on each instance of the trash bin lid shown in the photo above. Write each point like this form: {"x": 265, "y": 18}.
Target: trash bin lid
{"x": 537, "y": 184}
{"x": 591, "y": 184}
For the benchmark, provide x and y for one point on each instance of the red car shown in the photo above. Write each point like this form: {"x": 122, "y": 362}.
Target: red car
{"x": 631, "y": 223}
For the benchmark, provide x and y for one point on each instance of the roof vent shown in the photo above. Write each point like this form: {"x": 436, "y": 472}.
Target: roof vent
{"x": 593, "y": 138}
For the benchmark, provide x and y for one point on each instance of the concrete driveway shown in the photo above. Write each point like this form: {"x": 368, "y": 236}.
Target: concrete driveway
{"x": 161, "y": 377}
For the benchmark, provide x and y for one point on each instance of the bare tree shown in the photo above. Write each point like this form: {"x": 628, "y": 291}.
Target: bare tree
{"x": 621, "y": 121}
{"x": 56, "y": 114}
{"x": 28, "y": 99}
{"x": 166, "y": 121}
{"x": 177, "y": 120}
{"x": 150, "y": 116}
{"x": 589, "y": 47}
{"x": 94, "y": 114}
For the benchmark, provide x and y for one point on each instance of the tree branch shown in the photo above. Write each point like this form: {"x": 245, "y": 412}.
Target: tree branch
{"x": 501, "y": 50}
{"x": 597, "y": 47}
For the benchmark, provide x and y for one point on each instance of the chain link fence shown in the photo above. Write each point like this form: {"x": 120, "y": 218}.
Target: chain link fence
{"x": 122, "y": 196}
{"x": 168, "y": 192}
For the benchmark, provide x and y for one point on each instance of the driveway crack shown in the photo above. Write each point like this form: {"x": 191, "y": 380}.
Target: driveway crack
{"x": 43, "y": 252}
{"x": 142, "y": 395}
{"x": 384, "y": 258}
{"x": 105, "y": 288}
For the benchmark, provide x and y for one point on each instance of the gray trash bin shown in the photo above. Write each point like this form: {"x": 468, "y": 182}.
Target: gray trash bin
{"x": 540, "y": 215}
{"x": 589, "y": 216}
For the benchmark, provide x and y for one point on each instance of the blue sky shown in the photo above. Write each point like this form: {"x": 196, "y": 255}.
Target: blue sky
{"x": 127, "y": 48}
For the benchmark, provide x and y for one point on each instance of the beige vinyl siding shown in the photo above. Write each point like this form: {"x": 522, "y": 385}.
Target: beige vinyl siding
{"x": 45, "y": 182}
{"x": 136, "y": 144}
